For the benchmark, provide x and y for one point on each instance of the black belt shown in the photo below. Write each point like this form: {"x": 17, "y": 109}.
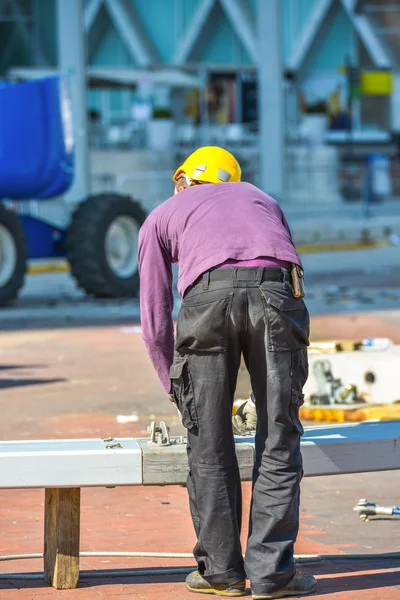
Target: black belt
{"x": 245, "y": 273}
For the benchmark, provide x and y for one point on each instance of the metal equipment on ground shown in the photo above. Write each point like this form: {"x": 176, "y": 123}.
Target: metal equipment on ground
{"x": 367, "y": 509}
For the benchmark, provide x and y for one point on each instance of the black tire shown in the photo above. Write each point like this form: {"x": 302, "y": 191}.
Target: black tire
{"x": 9, "y": 289}
{"x": 85, "y": 245}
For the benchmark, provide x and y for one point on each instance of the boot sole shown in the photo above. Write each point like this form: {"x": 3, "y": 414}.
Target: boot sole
{"x": 217, "y": 592}
{"x": 283, "y": 594}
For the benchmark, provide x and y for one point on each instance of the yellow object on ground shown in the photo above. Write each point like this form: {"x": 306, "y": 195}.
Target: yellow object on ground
{"x": 331, "y": 346}
{"x": 351, "y": 414}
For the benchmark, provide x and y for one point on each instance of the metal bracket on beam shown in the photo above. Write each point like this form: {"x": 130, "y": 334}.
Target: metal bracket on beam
{"x": 159, "y": 434}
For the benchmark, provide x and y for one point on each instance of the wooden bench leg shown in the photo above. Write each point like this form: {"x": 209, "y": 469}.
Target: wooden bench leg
{"x": 61, "y": 537}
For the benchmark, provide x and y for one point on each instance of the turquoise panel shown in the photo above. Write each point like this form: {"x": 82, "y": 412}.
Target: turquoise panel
{"x": 158, "y": 19}
{"x": 294, "y": 16}
{"x": 48, "y": 29}
{"x": 253, "y": 5}
{"x": 112, "y": 50}
{"x": 93, "y": 99}
{"x": 185, "y": 8}
{"x": 338, "y": 42}
{"x": 218, "y": 42}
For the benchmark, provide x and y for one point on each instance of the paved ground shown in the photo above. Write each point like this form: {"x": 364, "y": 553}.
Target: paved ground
{"x": 74, "y": 383}
{"x": 69, "y": 366}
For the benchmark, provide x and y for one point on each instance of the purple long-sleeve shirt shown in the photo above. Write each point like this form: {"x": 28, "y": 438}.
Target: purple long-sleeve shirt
{"x": 200, "y": 228}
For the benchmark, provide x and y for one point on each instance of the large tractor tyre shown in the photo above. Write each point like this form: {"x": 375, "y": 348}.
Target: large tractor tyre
{"x": 13, "y": 256}
{"x": 102, "y": 245}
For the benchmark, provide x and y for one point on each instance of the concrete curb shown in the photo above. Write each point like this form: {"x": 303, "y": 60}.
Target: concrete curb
{"x": 342, "y": 229}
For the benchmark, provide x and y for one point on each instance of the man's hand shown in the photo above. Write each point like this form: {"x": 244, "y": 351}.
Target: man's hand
{"x": 172, "y": 398}
{"x": 244, "y": 421}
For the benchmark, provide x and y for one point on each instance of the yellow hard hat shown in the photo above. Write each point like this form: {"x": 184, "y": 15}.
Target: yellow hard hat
{"x": 210, "y": 164}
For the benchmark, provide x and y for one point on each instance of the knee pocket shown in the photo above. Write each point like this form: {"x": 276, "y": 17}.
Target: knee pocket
{"x": 182, "y": 388}
{"x": 299, "y": 375}
{"x": 296, "y": 401}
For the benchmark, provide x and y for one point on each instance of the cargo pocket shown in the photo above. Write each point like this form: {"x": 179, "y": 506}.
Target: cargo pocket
{"x": 182, "y": 389}
{"x": 287, "y": 319}
{"x": 299, "y": 368}
{"x": 203, "y": 322}
{"x": 296, "y": 401}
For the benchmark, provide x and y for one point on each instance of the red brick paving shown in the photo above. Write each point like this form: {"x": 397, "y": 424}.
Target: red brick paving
{"x": 73, "y": 383}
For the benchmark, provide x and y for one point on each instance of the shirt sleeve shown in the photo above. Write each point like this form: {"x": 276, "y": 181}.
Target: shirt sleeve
{"x": 156, "y": 299}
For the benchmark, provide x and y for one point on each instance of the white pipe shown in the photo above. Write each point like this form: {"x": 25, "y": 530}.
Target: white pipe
{"x": 298, "y": 557}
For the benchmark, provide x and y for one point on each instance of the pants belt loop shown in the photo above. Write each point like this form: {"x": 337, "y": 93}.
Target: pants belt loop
{"x": 234, "y": 276}
{"x": 206, "y": 280}
{"x": 286, "y": 276}
{"x": 260, "y": 275}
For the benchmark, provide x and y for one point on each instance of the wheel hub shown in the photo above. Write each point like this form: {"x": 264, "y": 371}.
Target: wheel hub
{"x": 8, "y": 255}
{"x": 121, "y": 246}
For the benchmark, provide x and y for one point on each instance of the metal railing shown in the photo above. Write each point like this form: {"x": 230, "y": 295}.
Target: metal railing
{"x": 342, "y": 189}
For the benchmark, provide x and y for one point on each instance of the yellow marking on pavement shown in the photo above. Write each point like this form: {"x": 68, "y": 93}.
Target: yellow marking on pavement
{"x": 340, "y": 246}
{"x": 49, "y": 267}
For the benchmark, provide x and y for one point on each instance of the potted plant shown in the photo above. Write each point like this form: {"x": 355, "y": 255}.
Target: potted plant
{"x": 160, "y": 130}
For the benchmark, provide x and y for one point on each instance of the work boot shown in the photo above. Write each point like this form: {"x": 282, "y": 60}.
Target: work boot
{"x": 196, "y": 583}
{"x": 301, "y": 584}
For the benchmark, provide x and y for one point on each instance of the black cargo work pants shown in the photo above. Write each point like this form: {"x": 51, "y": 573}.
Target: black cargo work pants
{"x": 225, "y": 313}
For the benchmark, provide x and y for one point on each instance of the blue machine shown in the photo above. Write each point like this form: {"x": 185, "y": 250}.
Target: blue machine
{"x": 37, "y": 162}
{"x": 36, "y": 158}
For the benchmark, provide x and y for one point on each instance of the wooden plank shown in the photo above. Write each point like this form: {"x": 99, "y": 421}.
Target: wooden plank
{"x": 61, "y": 537}
{"x": 168, "y": 465}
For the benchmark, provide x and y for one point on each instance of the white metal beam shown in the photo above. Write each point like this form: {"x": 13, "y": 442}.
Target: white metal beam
{"x": 193, "y": 32}
{"x": 72, "y": 62}
{"x": 317, "y": 17}
{"x": 91, "y": 11}
{"x": 368, "y": 36}
{"x": 132, "y": 32}
{"x": 240, "y": 17}
{"x": 270, "y": 96}
{"x": 326, "y": 449}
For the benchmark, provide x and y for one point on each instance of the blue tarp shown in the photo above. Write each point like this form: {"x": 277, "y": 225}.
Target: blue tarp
{"x": 36, "y": 142}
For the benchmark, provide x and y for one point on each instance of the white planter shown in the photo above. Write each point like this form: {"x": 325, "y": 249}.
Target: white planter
{"x": 160, "y": 134}
{"x": 313, "y": 129}
{"x": 313, "y": 176}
